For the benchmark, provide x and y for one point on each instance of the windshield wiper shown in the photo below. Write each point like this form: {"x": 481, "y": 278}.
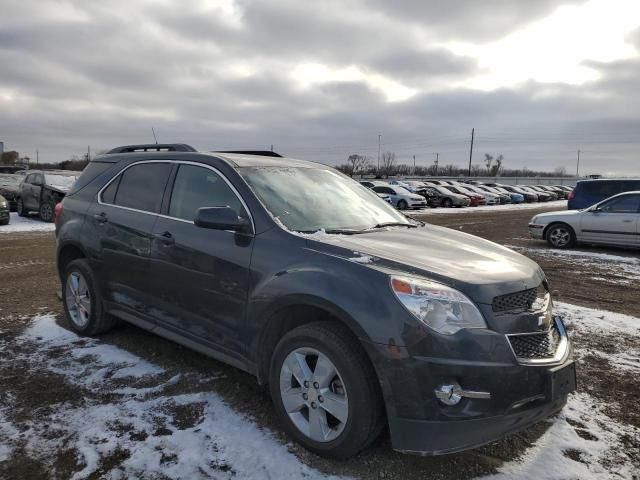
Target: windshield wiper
{"x": 392, "y": 224}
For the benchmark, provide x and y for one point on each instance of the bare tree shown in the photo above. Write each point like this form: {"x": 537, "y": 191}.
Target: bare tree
{"x": 357, "y": 164}
{"x": 560, "y": 171}
{"x": 387, "y": 164}
{"x": 488, "y": 160}
{"x": 495, "y": 169}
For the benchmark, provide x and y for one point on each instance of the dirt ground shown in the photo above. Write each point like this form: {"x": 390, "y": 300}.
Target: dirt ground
{"x": 28, "y": 286}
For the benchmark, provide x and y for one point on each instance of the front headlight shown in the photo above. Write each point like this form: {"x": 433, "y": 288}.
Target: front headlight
{"x": 441, "y": 308}
{"x": 3, "y": 204}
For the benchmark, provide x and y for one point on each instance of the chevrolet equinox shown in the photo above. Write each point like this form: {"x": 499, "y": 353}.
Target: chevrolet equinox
{"x": 356, "y": 316}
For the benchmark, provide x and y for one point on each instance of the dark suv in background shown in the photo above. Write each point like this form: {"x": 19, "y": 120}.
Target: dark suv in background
{"x": 41, "y": 190}
{"x": 356, "y": 316}
{"x": 589, "y": 192}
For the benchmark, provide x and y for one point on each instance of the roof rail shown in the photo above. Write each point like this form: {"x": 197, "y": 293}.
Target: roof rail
{"x": 264, "y": 153}
{"x": 154, "y": 147}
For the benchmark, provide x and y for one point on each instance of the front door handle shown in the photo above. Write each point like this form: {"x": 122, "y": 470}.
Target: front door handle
{"x": 101, "y": 218}
{"x": 165, "y": 238}
{"x": 627, "y": 221}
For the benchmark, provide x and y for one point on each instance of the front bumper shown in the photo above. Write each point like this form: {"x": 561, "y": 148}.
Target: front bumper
{"x": 536, "y": 231}
{"x": 4, "y": 214}
{"x": 520, "y": 394}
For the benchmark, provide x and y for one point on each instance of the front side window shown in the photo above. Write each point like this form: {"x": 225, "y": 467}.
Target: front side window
{"x": 140, "y": 187}
{"x": 625, "y": 204}
{"x": 312, "y": 199}
{"x": 197, "y": 187}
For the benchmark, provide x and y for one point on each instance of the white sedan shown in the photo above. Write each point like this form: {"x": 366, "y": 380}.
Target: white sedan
{"x": 614, "y": 221}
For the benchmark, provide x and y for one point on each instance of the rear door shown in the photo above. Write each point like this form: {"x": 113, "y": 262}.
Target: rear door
{"x": 123, "y": 221}
{"x": 31, "y": 191}
{"x": 201, "y": 275}
{"x": 614, "y": 222}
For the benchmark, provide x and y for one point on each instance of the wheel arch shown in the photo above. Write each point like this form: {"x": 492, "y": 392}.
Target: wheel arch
{"x": 67, "y": 254}
{"x": 292, "y": 312}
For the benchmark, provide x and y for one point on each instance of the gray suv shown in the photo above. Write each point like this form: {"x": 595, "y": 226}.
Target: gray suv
{"x": 356, "y": 317}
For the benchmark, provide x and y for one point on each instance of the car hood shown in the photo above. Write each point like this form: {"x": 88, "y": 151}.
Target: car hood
{"x": 547, "y": 216}
{"x": 58, "y": 188}
{"x": 477, "y": 267}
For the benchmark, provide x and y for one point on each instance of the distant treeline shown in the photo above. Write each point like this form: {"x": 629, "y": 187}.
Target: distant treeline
{"x": 493, "y": 166}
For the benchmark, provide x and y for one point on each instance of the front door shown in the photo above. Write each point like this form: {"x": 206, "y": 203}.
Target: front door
{"x": 613, "y": 222}
{"x": 201, "y": 275}
{"x": 31, "y": 190}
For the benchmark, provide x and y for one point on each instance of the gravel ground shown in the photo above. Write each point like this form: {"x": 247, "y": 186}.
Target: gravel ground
{"x": 31, "y": 390}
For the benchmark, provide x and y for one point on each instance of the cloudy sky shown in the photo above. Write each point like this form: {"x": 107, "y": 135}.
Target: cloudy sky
{"x": 320, "y": 80}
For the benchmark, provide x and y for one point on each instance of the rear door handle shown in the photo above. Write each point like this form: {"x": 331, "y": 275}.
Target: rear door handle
{"x": 165, "y": 238}
{"x": 101, "y": 218}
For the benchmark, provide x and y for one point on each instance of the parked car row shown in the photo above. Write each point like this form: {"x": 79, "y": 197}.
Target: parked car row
{"x": 406, "y": 194}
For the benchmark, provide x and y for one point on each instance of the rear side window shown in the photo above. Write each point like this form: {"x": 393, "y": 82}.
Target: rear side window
{"x": 140, "y": 187}
{"x": 90, "y": 172}
{"x": 603, "y": 188}
{"x": 196, "y": 187}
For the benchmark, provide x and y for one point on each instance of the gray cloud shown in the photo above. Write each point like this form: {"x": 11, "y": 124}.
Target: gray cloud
{"x": 74, "y": 73}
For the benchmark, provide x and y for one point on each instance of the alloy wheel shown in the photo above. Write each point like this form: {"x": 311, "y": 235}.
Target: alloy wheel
{"x": 313, "y": 394}
{"x": 559, "y": 236}
{"x": 78, "y": 299}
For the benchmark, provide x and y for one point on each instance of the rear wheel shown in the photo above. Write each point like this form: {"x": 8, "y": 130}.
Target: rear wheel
{"x": 561, "y": 235}
{"x": 402, "y": 205}
{"x": 325, "y": 391}
{"x": 20, "y": 208}
{"x": 446, "y": 202}
{"x": 82, "y": 302}
{"x": 4, "y": 222}
{"x": 47, "y": 210}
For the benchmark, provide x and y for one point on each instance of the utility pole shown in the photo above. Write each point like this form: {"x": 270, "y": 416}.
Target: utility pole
{"x": 272, "y": 147}
{"x": 437, "y": 160}
{"x": 379, "y": 140}
{"x": 473, "y": 131}
{"x": 88, "y": 153}
{"x": 578, "y": 166}
{"x": 37, "y": 157}
{"x": 154, "y": 135}
{"x": 414, "y": 164}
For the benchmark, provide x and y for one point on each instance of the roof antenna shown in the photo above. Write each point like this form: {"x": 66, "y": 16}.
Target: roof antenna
{"x": 154, "y": 135}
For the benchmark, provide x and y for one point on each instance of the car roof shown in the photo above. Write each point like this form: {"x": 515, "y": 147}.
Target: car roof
{"x": 246, "y": 160}
{"x": 67, "y": 173}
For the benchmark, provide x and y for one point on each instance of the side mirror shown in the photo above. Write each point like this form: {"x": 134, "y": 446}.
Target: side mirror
{"x": 221, "y": 218}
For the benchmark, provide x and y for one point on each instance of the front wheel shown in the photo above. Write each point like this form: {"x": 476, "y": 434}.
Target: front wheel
{"x": 325, "y": 390}
{"x": 402, "y": 205}
{"x": 446, "y": 202}
{"x": 561, "y": 235}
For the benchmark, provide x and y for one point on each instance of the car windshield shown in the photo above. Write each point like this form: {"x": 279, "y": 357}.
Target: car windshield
{"x": 312, "y": 199}
{"x": 60, "y": 181}
{"x": 444, "y": 190}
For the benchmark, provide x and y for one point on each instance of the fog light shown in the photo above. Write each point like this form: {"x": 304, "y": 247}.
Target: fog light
{"x": 451, "y": 394}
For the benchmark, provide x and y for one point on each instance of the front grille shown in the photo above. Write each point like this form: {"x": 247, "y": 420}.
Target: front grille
{"x": 541, "y": 345}
{"x": 515, "y": 301}
{"x": 530, "y": 299}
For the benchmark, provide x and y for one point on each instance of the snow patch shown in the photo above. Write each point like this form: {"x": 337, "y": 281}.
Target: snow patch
{"x": 26, "y": 224}
{"x": 583, "y": 431}
{"x": 216, "y": 442}
{"x": 361, "y": 258}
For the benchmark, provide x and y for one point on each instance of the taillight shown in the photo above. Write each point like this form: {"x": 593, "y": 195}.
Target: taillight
{"x": 57, "y": 212}
{"x": 572, "y": 195}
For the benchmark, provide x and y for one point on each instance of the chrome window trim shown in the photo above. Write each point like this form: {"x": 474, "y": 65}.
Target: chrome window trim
{"x": 180, "y": 162}
{"x": 561, "y": 353}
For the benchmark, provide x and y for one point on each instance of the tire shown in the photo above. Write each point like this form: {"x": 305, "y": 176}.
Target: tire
{"x": 47, "y": 211}
{"x": 402, "y": 205}
{"x": 447, "y": 203}
{"x": 354, "y": 390}
{"x": 4, "y": 222}
{"x": 20, "y": 208}
{"x": 560, "y": 235}
{"x": 84, "y": 317}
